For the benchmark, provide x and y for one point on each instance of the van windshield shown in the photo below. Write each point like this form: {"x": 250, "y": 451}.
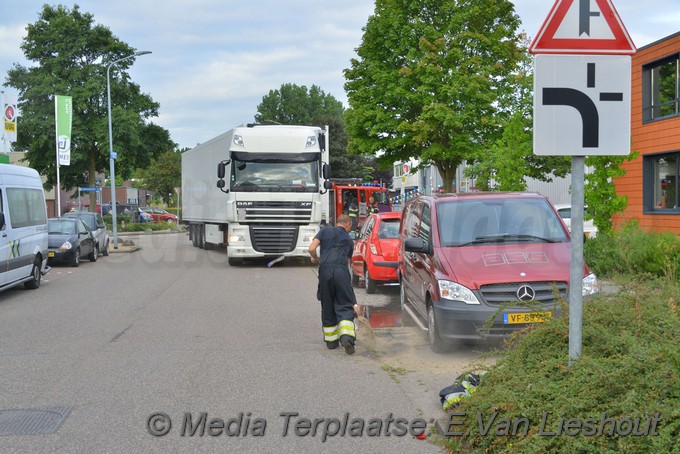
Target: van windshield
{"x": 463, "y": 223}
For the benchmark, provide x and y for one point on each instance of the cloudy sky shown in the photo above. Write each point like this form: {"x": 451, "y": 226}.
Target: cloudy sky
{"x": 214, "y": 60}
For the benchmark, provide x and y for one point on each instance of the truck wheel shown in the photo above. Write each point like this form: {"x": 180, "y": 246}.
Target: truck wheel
{"x": 192, "y": 235}
{"x": 437, "y": 344}
{"x": 35, "y": 274}
{"x": 370, "y": 283}
{"x": 201, "y": 236}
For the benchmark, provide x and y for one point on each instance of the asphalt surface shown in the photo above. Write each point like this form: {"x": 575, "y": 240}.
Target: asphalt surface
{"x": 173, "y": 329}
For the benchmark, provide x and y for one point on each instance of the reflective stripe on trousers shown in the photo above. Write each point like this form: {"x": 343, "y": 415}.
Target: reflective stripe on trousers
{"x": 330, "y": 333}
{"x": 346, "y": 328}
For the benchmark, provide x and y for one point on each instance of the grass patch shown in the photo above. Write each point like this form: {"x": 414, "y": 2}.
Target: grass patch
{"x": 394, "y": 372}
{"x": 630, "y": 368}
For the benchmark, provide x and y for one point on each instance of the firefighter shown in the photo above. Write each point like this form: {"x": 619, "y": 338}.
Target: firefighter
{"x": 353, "y": 213}
{"x": 372, "y": 206}
{"x": 335, "y": 284}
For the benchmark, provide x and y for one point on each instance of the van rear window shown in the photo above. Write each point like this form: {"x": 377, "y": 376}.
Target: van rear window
{"x": 26, "y": 207}
{"x": 472, "y": 222}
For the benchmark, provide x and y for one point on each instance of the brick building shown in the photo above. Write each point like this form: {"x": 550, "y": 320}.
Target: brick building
{"x": 651, "y": 181}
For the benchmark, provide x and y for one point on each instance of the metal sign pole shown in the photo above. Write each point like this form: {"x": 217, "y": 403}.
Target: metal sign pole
{"x": 576, "y": 263}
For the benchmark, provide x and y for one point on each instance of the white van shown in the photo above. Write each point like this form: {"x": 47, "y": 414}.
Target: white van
{"x": 23, "y": 227}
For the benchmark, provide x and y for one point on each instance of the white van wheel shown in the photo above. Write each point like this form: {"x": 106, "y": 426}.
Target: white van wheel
{"x": 35, "y": 273}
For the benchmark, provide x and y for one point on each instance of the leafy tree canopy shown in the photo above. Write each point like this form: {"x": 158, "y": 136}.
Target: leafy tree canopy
{"x": 432, "y": 80}
{"x": 70, "y": 54}
{"x": 164, "y": 175}
{"x": 296, "y": 105}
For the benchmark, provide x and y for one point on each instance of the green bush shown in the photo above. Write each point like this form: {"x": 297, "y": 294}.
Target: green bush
{"x": 634, "y": 251}
{"x": 141, "y": 227}
{"x": 629, "y": 368}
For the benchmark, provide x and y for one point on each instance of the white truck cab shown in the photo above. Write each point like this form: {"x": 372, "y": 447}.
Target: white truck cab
{"x": 23, "y": 227}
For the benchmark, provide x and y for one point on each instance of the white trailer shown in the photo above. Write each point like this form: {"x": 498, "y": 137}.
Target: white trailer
{"x": 259, "y": 190}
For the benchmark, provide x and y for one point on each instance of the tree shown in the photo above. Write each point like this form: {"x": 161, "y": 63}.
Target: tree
{"x": 430, "y": 79}
{"x": 76, "y": 67}
{"x": 510, "y": 158}
{"x": 164, "y": 175}
{"x": 295, "y": 105}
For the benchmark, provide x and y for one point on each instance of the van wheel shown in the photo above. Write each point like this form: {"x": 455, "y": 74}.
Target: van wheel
{"x": 95, "y": 253}
{"x": 35, "y": 274}
{"x": 370, "y": 283}
{"x": 437, "y": 344}
{"x": 75, "y": 261}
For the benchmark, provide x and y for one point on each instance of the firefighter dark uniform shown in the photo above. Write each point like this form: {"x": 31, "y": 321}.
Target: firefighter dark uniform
{"x": 353, "y": 213}
{"x": 335, "y": 288}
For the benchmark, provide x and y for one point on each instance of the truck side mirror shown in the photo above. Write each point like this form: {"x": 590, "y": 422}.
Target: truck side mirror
{"x": 327, "y": 184}
{"x": 221, "y": 170}
{"x": 322, "y": 141}
{"x": 2, "y": 220}
{"x": 327, "y": 172}
{"x": 220, "y": 184}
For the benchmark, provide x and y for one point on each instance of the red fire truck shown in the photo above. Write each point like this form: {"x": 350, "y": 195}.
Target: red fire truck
{"x": 345, "y": 191}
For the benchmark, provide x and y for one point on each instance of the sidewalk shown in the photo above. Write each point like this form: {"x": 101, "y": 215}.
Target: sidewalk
{"x": 126, "y": 245}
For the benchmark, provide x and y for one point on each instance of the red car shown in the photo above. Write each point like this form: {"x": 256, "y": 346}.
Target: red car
{"x": 160, "y": 215}
{"x": 375, "y": 256}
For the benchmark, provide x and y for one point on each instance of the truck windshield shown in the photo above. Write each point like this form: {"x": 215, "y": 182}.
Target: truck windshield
{"x": 274, "y": 176}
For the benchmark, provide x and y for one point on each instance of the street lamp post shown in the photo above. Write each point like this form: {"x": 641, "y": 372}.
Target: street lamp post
{"x": 111, "y": 155}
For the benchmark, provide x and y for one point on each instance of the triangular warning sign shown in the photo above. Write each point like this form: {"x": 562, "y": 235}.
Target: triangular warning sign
{"x": 583, "y": 27}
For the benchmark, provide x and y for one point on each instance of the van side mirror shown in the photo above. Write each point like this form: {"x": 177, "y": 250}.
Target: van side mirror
{"x": 2, "y": 220}
{"x": 416, "y": 245}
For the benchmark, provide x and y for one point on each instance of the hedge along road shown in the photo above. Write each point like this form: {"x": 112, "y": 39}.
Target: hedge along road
{"x": 170, "y": 338}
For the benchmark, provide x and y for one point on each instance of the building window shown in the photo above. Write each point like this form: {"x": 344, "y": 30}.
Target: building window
{"x": 664, "y": 176}
{"x": 661, "y": 89}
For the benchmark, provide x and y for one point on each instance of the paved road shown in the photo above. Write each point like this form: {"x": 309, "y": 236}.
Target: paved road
{"x": 174, "y": 329}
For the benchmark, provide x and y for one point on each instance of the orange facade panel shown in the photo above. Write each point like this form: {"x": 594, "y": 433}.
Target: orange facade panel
{"x": 649, "y": 138}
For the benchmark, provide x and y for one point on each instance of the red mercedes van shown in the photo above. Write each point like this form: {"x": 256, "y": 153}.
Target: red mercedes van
{"x": 465, "y": 258}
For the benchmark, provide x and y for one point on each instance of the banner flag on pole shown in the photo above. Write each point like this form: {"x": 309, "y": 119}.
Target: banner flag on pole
{"x": 9, "y": 117}
{"x": 63, "y": 111}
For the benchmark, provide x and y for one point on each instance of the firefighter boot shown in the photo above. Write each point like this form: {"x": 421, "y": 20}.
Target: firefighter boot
{"x": 348, "y": 344}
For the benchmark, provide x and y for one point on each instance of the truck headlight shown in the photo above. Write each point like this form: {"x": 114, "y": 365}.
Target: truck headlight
{"x": 590, "y": 285}
{"x": 311, "y": 141}
{"x": 456, "y": 292}
{"x": 238, "y": 140}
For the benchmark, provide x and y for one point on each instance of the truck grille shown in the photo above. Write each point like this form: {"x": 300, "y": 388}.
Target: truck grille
{"x": 273, "y": 239}
{"x": 544, "y": 292}
{"x": 275, "y": 212}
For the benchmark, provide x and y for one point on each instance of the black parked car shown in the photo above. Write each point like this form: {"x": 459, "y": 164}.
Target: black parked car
{"x": 68, "y": 240}
{"x": 95, "y": 223}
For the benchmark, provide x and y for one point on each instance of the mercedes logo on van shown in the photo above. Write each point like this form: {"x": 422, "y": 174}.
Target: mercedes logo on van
{"x": 526, "y": 293}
